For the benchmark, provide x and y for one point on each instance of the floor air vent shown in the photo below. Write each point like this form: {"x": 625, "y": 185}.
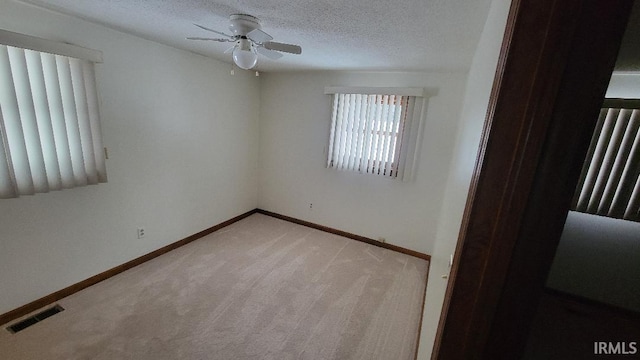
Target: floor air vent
{"x": 34, "y": 319}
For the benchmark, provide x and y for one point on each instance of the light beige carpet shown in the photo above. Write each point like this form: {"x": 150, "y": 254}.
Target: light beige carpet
{"x": 261, "y": 288}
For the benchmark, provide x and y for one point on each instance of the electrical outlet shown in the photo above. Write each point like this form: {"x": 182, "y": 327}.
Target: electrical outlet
{"x": 141, "y": 233}
{"x": 310, "y": 206}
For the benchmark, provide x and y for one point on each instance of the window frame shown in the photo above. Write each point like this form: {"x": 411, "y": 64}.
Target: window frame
{"x": 50, "y": 131}
{"x": 402, "y": 164}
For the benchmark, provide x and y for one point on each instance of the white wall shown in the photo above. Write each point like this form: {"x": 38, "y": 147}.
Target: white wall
{"x": 422, "y": 215}
{"x": 476, "y": 101}
{"x": 599, "y": 258}
{"x": 295, "y": 119}
{"x": 182, "y": 137}
{"x": 625, "y": 85}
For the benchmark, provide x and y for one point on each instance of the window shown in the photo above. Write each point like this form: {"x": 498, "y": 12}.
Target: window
{"x": 374, "y": 130}
{"x": 609, "y": 183}
{"x": 49, "y": 123}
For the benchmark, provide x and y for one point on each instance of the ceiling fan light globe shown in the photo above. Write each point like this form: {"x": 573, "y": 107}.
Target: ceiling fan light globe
{"x": 245, "y": 59}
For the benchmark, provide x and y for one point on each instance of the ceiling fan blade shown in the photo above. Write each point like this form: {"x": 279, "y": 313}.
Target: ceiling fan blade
{"x": 259, "y": 36}
{"x": 209, "y": 39}
{"x": 273, "y": 55}
{"x": 288, "y": 48}
{"x": 215, "y": 31}
{"x": 230, "y": 49}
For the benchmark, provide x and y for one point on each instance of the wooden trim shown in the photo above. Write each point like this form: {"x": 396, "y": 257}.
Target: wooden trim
{"x": 500, "y": 68}
{"x": 557, "y": 59}
{"x": 72, "y": 289}
{"x": 347, "y": 235}
{"x": 594, "y": 304}
{"x": 60, "y": 294}
{"x": 424, "y": 300}
{"x": 368, "y": 241}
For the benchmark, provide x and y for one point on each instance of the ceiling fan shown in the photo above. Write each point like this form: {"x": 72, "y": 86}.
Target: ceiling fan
{"x": 249, "y": 41}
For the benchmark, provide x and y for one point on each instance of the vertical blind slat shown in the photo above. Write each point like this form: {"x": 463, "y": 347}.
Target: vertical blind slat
{"x": 84, "y": 124}
{"x": 355, "y": 132}
{"x": 390, "y": 111}
{"x": 377, "y": 135}
{"x": 15, "y": 146}
{"x": 373, "y": 111}
{"x": 339, "y": 140}
{"x": 27, "y": 111}
{"x": 43, "y": 118}
{"x": 405, "y": 145}
{"x": 585, "y": 168}
{"x": 58, "y": 125}
{"x": 371, "y": 120}
{"x": 598, "y": 157}
{"x": 379, "y": 119}
{"x": 8, "y": 188}
{"x": 332, "y": 131}
{"x": 632, "y": 211}
{"x": 393, "y": 131}
{"x": 368, "y": 101}
{"x": 343, "y": 131}
{"x": 349, "y": 138}
{"x": 362, "y": 123}
{"x": 402, "y": 121}
{"x": 94, "y": 120}
{"x": 383, "y": 133}
{"x": 71, "y": 121}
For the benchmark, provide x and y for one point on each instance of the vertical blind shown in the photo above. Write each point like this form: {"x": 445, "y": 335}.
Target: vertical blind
{"x": 370, "y": 133}
{"x": 49, "y": 123}
{"x": 366, "y": 132}
{"x": 609, "y": 184}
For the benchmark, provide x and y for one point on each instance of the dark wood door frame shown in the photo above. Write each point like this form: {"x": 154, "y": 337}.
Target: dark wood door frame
{"x": 555, "y": 64}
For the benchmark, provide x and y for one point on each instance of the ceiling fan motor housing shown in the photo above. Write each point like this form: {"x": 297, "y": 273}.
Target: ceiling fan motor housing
{"x": 244, "y": 45}
{"x": 242, "y": 24}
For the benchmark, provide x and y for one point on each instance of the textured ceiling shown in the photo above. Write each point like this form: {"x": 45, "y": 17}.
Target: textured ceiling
{"x": 335, "y": 34}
